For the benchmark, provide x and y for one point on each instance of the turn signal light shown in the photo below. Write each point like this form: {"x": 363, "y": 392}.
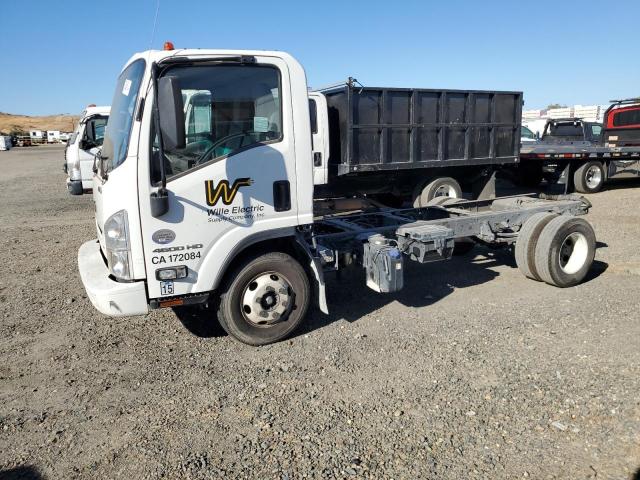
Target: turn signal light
{"x": 171, "y": 273}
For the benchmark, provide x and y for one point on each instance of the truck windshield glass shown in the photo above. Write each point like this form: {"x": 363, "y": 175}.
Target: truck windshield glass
{"x": 228, "y": 108}
{"x": 123, "y": 105}
{"x": 565, "y": 130}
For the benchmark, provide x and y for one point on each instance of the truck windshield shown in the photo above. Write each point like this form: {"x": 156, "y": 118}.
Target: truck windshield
{"x": 228, "y": 108}
{"x": 118, "y": 127}
{"x": 565, "y": 130}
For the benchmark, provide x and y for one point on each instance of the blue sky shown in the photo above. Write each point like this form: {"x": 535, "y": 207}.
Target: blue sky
{"x": 66, "y": 54}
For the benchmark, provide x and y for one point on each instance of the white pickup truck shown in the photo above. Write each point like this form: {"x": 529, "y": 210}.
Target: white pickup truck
{"x": 204, "y": 195}
{"x": 82, "y": 146}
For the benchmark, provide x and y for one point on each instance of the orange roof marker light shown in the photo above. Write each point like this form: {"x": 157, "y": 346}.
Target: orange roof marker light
{"x": 168, "y": 46}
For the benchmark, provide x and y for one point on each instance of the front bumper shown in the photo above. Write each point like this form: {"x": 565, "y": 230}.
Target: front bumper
{"x": 112, "y": 298}
{"x": 74, "y": 187}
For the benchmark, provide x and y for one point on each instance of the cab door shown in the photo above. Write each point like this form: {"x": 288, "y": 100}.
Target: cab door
{"x": 232, "y": 182}
{"x": 320, "y": 137}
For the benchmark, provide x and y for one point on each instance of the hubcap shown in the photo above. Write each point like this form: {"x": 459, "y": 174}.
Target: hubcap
{"x": 445, "y": 191}
{"x": 573, "y": 253}
{"x": 593, "y": 176}
{"x": 266, "y": 299}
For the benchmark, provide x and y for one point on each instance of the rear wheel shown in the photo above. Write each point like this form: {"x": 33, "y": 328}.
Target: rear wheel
{"x": 589, "y": 178}
{"x": 565, "y": 251}
{"x": 439, "y": 187}
{"x": 526, "y": 244}
{"x": 265, "y": 299}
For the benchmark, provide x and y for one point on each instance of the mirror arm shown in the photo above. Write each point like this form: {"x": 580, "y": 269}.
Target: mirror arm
{"x": 159, "y": 199}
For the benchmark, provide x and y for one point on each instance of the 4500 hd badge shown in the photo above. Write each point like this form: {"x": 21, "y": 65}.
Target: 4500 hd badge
{"x": 180, "y": 253}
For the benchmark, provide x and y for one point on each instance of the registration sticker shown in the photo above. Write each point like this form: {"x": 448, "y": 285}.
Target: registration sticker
{"x": 166, "y": 287}
{"x": 126, "y": 87}
{"x": 260, "y": 124}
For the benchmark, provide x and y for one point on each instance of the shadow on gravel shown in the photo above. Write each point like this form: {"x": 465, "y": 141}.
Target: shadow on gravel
{"x": 201, "y": 323}
{"x": 350, "y": 299}
{"x": 21, "y": 473}
{"x": 621, "y": 183}
{"x": 597, "y": 269}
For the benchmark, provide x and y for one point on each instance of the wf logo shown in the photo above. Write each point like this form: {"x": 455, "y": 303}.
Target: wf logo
{"x": 223, "y": 191}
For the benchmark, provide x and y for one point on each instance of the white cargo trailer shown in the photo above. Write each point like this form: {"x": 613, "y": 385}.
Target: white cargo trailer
{"x": 5, "y": 142}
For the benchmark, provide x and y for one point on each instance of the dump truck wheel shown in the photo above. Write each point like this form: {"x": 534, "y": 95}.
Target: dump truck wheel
{"x": 264, "y": 299}
{"x": 565, "y": 251}
{"x": 589, "y": 178}
{"x": 439, "y": 187}
{"x": 526, "y": 244}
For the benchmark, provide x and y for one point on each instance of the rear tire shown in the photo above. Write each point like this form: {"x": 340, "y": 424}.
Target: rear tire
{"x": 264, "y": 299}
{"x": 439, "y": 187}
{"x": 525, "y": 250}
{"x": 565, "y": 251}
{"x": 589, "y": 178}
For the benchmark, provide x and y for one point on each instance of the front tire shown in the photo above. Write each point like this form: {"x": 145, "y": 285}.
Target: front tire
{"x": 589, "y": 178}
{"x": 264, "y": 299}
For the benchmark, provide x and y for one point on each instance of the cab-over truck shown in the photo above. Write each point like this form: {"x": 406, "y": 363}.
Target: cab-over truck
{"x": 216, "y": 207}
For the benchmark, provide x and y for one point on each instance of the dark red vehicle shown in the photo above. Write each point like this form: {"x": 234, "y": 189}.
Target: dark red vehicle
{"x": 622, "y": 123}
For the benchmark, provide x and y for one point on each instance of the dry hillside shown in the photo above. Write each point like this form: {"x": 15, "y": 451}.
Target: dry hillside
{"x": 24, "y": 123}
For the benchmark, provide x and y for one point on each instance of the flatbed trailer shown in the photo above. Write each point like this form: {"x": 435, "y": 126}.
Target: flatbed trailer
{"x": 578, "y": 165}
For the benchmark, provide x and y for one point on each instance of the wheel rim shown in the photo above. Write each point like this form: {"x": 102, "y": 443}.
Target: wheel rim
{"x": 593, "y": 176}
{"x": 266, "y": 299}
{"x": 573, "y": 253}
{"x": 445, "y": 191}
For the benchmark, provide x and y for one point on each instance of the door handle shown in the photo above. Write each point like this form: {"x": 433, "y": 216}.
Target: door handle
{"x": 317, "y": 159}
{"x": 281, "y": 195}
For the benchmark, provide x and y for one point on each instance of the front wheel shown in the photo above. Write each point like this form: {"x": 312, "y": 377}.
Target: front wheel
{"x": 264, "y": 299}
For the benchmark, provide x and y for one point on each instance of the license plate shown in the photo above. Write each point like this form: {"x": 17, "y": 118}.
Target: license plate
{"x": 166, "y": 287}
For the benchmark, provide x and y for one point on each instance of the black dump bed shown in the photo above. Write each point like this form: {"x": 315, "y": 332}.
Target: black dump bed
{"x": 373, "y": 129}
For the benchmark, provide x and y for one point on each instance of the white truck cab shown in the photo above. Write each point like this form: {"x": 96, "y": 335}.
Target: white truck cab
{"x": 204, "y": 194}
{"x": 82, "y": 147}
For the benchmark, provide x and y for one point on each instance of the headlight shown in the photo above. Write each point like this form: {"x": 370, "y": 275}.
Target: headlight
{"x": 116, "y": 242}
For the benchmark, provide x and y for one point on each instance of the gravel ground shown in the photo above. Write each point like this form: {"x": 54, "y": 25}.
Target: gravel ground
{"x": 472, "y": 371}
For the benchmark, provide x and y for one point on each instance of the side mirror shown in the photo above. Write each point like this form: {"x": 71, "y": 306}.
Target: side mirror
{"x": 171, "y": 112}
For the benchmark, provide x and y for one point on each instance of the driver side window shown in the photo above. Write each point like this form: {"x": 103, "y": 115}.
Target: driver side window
{"x": 227, "y": 109}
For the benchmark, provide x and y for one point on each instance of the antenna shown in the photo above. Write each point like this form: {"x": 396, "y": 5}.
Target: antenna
{"x": 155, "y": 22}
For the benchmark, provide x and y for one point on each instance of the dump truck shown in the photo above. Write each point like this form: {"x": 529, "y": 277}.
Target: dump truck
{"x": 410, "y": 144}
{"x": 216, "y": 209}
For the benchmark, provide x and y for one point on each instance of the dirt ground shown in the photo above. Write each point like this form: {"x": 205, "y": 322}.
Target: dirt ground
{"x": 472, "y": 371}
